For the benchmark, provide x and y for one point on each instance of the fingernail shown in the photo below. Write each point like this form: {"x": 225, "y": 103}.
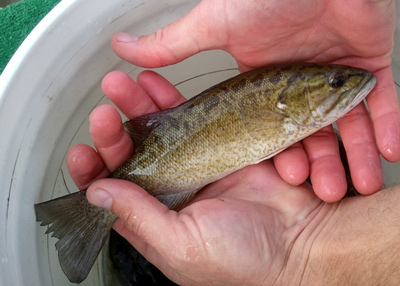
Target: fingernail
{"x": 126, "y": 38}
{"x": 101, "y": 198}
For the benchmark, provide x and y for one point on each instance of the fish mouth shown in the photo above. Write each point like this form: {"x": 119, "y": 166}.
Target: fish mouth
{"x": 367, "y": 86}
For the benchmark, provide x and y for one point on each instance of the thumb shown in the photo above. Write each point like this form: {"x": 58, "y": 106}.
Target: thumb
{"x": 143, "y": 220}
{"x": 171, "y": 44}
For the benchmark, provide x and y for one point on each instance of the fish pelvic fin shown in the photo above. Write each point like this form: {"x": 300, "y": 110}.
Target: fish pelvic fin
{"x": 176, "y": 201}
{"x": 82, "y": 230}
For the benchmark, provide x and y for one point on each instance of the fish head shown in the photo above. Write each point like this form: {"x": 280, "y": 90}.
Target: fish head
{"x": 339, "y": 91}
{"x": 318, "y": 95}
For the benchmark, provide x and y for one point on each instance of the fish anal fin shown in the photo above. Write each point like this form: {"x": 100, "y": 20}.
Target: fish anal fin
{"x": 140, "y": 127}
{"x": 176, "y": 201}
{"x": 81, "y": 228}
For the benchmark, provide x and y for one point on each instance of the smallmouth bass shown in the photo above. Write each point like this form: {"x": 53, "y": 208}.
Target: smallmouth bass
{"x": 241, "y": 121}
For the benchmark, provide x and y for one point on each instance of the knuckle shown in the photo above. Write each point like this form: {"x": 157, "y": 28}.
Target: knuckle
{"x": 131, "y": 221}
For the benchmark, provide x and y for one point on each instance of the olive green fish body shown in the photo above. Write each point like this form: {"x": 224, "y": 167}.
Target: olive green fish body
{"x": 238, "y": 122}
{"x": 210, "y": 136}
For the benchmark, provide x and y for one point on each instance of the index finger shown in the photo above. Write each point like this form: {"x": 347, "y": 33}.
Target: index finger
{"x": 151, "y": 93}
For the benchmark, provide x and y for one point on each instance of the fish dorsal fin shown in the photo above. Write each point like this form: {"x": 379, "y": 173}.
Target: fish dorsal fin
{"x": 82, "y": 230}
{"x": 140, "y": 127}
{"x": 176, "y": 201}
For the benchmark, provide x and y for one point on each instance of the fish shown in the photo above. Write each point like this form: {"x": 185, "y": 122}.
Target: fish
{"x": 241, "y": 121}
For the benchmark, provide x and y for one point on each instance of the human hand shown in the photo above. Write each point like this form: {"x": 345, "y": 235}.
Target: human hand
{"x": 240, "y": 230}
{"x": 250, "y": 228}
{"x": 258, "y": 33}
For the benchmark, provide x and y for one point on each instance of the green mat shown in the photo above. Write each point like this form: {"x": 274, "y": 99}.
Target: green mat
{"x": 17, "y": 21}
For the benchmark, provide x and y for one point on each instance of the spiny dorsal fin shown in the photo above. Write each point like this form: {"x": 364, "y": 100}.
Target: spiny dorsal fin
{"x": 140, "y": 127}
{"x": 81, "y": 228}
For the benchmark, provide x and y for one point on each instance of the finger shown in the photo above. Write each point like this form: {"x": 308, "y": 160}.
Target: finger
{"x": 292, "y": 164}
{"x": 127, "y": 95}
{"x": 385, "y": 112}
{"x": 143, "y": 217}
{"x": 171, "y": 44}
{"x": 160, "y": 90}
{"x": 361, "y": 150}
{"x": 109, "y": 137}
{"x": 326, "y": 170}
{"x": 85, "y": 165}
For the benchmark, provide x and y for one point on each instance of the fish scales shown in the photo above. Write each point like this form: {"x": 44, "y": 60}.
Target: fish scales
{"x": 238, "y": 122}
{"x": 217, "y": 116}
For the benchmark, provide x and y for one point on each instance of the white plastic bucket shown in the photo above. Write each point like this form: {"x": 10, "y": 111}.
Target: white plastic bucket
{"x": 47, "y": 92}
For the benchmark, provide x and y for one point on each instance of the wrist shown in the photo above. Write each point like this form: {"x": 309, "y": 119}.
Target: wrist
{"x": 301, "y": 260}
{"x": 358, "y": 244}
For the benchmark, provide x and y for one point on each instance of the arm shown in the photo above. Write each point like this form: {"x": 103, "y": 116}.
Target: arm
{"x": 359, "y": 242}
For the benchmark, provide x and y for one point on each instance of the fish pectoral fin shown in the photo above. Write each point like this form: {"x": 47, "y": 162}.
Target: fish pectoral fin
{"x": 176, "y": 201}
{"x": 81, "y": 228}
{"x": 259, "y": 120}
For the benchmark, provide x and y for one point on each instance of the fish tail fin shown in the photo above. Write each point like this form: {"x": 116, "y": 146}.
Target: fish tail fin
{"x": 81, "y": 228}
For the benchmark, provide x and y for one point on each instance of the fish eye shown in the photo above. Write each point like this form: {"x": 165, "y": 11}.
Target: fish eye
{"x": 337, "y": 79}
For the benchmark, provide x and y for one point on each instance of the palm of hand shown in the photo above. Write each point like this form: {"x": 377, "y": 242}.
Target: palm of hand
{"x": 242, "y": 227}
